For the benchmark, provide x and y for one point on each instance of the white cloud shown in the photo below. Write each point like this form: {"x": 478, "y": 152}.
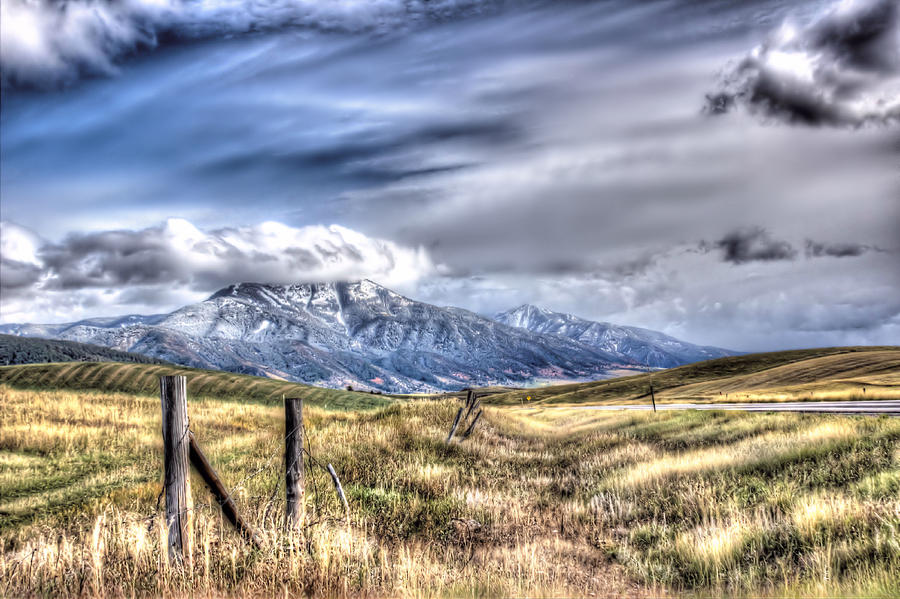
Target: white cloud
{"x": 164, "y": 267}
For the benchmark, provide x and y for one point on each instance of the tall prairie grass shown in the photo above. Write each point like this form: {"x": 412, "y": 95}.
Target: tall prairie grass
{"x": 537, "y": 502}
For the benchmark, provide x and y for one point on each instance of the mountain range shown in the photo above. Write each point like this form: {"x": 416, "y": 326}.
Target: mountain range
{"x": 367, "y": 336}
{"x": 643, "y": 346}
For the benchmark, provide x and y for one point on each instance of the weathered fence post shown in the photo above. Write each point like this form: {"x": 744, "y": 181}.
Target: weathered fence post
{"x": 177, "y": 485}
{"x": 652, "y": 397}
{"x": 293, "y": 460}
{"x": 470, "y": 403}
{"x": 455, "y": 423}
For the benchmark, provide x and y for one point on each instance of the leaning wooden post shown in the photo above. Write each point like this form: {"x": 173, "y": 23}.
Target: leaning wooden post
{"x": 223, "y": 497}
{"x": 340, "y": 491}
{"x": 176, "y": 448}
{"x": 652, "y": 397}
{"x": 472, "y": 426}
{"x": 293, "y": 460}
{"x": 455, "y": 424}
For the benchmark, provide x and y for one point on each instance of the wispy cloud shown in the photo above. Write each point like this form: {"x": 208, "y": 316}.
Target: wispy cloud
{"x": 47, "y": 43}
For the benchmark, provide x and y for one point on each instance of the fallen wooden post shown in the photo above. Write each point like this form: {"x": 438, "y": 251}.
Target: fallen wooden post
{"x": 223, "y": 497}
{"x": 293, "y": 461}
{"x": 177, "y": 482}
{"x": 455, "y": 424}
{"x": 472, "y": 426}
{"x": 340, "y": 490}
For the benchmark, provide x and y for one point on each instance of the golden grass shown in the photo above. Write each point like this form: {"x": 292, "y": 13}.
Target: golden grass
{"x": 757, "y": 449}
{"x": 537, "y": 502}
{"x": 823, "y": 374}
{"x": 143, "y": 379}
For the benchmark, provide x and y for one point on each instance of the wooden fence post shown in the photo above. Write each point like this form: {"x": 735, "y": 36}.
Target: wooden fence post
{"x": 293, "y": 460}
{"x": 177, "y": 485}
{"x": 652, "y": 397}
{"x": 472, "y": 400}
{"x": 455, "y": 424}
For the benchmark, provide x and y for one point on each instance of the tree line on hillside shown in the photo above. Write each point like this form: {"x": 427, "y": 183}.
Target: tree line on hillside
{"x": 29, "y": 350}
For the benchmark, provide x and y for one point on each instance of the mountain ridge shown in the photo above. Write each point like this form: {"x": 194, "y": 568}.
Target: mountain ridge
{"x": 645, "y": 346}
{"x": 337, "y": 334}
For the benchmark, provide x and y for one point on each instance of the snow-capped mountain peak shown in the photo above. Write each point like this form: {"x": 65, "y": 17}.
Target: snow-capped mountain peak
{"x": 366, "y": 335}
{"x": 335, "y": 334}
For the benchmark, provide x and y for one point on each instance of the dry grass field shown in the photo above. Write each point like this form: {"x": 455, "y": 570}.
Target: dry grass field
{"x": 837, "y": 373}
{"x": 537, "y": 502}
{"x": 143, "y": 379}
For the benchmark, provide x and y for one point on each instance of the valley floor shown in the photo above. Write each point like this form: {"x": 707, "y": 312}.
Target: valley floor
{"x": 560, "y": 502}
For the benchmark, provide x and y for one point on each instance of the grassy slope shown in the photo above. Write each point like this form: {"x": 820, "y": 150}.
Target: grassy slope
{"x": 536, "y": 503}
{"x": 826, "y": 373}
{"x": 30, "y": 350}
{"x": 143, "y": 379}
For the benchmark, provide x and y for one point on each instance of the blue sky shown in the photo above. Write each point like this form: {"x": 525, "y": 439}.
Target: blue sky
{"x": 722, "y": 171}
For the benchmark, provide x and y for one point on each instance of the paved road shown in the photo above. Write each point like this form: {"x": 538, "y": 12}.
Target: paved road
{"x": 887, "y": 406}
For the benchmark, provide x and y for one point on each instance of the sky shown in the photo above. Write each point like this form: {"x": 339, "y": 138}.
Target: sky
{"x": 727, "y": 172}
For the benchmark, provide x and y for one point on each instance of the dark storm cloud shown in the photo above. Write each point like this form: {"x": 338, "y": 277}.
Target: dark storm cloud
{"x": 816, "y": 249}
{"x": 753, "y": 244}
{"x": 843, "y": 69}
{"x": 16, "y": 275}
{"x": 111, "y": 258}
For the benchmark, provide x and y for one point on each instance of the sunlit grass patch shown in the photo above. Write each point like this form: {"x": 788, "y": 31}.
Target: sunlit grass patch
{"x": 880, "y": 485}
{"x": 753, "y": 450}
{"x": 814, "y": 512}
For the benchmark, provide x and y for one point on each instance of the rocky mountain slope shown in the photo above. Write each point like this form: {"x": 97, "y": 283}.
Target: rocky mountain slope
{"x": 339, "y": 334}
{"x": 646, "y": 347}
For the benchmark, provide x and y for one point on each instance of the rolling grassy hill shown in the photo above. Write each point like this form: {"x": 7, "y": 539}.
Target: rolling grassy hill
{"x": 818, "y": 374}
{"x": 31, "y": 350}
{"x": 142, "y": 379}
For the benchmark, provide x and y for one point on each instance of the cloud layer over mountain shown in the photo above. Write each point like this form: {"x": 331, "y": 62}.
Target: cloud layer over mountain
{"x": 176, "y": 261}
{"x": 748, "y": 289}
